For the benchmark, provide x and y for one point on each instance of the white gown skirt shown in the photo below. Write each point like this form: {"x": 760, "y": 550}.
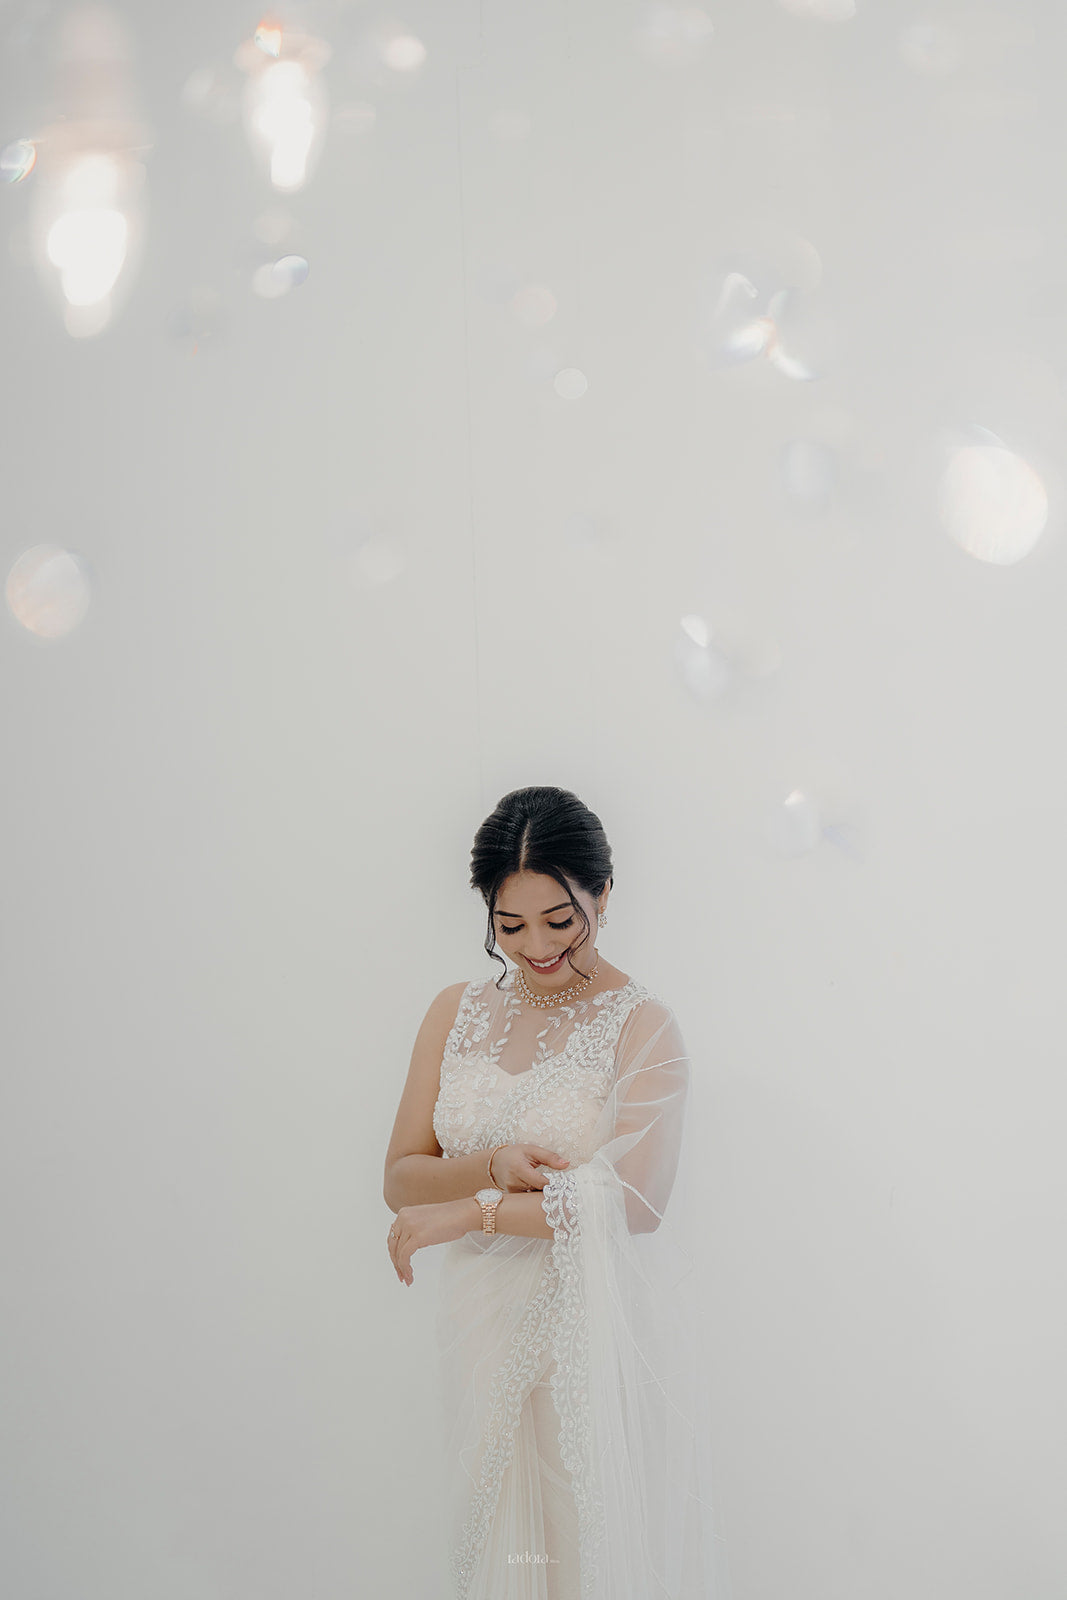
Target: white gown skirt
{"x": 575, "y": 1450}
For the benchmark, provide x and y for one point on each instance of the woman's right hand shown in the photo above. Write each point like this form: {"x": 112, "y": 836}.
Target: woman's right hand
{"x": 516, "y": 1166}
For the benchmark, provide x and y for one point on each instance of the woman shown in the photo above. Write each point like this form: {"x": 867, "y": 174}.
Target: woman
{"x": 539, "y": 1138}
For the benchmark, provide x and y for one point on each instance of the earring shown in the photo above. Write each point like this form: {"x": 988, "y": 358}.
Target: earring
{"x": 601, "y": 920}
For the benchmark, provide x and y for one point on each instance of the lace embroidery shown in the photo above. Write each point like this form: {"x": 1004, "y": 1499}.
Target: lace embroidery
{"x": 511, "y": 1384}
{"x": 554, "y": 1102}
{"x": 570, "y": 1375}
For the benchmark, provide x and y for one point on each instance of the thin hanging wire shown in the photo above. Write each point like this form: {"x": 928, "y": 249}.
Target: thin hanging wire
{"x": 482, "y": 797}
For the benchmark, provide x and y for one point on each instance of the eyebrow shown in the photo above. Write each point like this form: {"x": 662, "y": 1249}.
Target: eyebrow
{"x": 512, "y": 917}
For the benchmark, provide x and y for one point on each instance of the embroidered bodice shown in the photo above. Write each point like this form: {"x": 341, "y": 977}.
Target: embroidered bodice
{"x": 514, "y": 1073}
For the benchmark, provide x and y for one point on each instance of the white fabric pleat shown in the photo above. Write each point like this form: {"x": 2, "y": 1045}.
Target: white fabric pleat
{"x": 578, "y": 1460}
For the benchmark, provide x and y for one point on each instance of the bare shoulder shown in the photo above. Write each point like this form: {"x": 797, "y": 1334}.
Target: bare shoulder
{"x": 445, "y": 1004}
{"x": 413, "y": 1130}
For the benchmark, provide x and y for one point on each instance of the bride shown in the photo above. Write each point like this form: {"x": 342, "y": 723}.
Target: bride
{"x": 540, "y": 1138}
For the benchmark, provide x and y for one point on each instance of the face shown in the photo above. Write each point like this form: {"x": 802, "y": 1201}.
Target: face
{"x": 534, "y": 923}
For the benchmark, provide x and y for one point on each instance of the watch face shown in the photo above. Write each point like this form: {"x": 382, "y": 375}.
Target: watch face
{"x": 489, "y": 1194}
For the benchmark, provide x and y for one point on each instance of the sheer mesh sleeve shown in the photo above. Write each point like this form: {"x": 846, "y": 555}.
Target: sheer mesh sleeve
{"x": 627, "y": 1380}
{"x": 648, "y": 1106}
{"x": 639, "y": 1134}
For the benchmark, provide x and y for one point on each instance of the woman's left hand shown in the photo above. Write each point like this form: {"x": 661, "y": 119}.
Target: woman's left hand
{"x": 417, "y": 1226}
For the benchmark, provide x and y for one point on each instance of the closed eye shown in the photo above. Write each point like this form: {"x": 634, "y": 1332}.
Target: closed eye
{"x": 551, "y": 925}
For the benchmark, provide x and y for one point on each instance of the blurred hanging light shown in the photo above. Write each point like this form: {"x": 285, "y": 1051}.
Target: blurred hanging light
{"x": 286, "y": 104}
{"x": 88, "y": 180}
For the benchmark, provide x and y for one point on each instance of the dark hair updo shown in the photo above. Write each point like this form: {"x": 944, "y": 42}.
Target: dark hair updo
{"x": 541, "y": 830}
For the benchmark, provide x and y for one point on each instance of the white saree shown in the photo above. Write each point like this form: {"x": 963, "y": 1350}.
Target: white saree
{"x": 577, "y": 1459}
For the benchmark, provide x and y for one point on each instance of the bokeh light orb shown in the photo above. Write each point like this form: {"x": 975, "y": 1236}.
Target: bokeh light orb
{"x": 48, "y": 591}
{"x": 992, "y": 503}
{"x": 17, "y": 160}
{"x": 570, "y": 383}
{"x": 794, "y": 828}
{"x": 756, "y": 301}
{"x": 704, "y": 668}
{"x": 276, "y": 278}
{"x": 401, "y": 51}
{"x": 268, "y": 38}
{"x": 376, "y": 561}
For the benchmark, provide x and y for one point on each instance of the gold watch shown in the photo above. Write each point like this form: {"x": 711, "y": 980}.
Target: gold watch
{"x": 489, "y": 1199}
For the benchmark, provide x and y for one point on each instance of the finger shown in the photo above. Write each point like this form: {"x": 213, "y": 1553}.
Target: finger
{"x": 537, "y": 1179}
{"x": 537, "y": 1152}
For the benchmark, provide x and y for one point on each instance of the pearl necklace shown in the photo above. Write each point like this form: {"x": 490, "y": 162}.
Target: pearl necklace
{"x": 561, "y": 995}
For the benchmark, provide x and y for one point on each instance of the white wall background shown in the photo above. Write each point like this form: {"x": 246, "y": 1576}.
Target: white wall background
{"x": 240, "y": 795}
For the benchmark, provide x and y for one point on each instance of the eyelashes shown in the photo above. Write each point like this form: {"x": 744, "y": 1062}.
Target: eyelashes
{"x": 551, "y": 925}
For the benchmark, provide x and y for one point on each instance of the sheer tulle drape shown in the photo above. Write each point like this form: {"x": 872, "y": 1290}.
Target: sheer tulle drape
{"x": 576, "y": 1400}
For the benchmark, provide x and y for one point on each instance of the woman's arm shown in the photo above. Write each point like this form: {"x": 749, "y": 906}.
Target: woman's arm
{"x": 416, "y": 1171}
{"x": 417, "y": 1179}
{"x": 523, "y": 1214}
{"x": 418, "y": 1226}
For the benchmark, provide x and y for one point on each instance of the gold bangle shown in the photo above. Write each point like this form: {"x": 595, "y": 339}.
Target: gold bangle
{"x": 492, "y": 1180}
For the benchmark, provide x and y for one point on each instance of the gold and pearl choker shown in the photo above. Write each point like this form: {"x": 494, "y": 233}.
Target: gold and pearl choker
{"x": 561, "y": 996}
